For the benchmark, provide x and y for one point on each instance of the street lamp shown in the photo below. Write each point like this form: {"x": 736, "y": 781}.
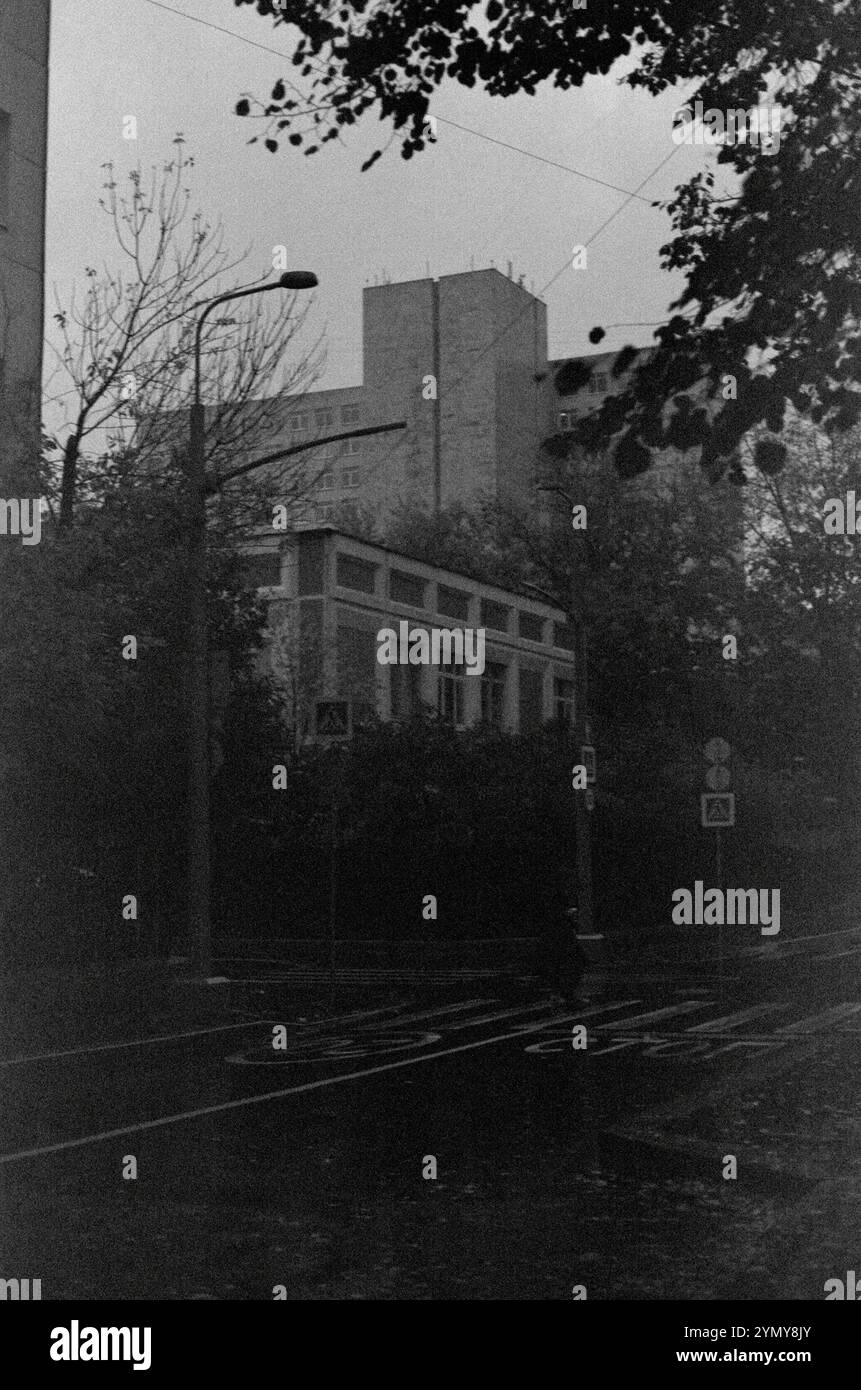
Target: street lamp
{"x": 197, "y": 694}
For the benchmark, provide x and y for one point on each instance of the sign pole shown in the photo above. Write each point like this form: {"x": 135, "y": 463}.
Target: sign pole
{"x": 719, "y": 884}
{"x": 717, "y": 809}
{"x": 333, "y": 888}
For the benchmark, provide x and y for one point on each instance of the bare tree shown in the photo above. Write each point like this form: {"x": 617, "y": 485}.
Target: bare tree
{"x": 127, "y": 347}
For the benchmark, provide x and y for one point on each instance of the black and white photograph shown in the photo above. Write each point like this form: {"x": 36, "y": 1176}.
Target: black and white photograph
{"x": 430, "y": 668}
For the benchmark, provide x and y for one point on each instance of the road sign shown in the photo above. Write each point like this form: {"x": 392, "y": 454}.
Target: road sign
{"x": 590, "y": 801}
{"x": 333, "y": 719}
{"x": 589, "y": 761}
{"x": 717, "y": 810}
{"x": 717, "y": 750}
{"x": 718, "y": 778}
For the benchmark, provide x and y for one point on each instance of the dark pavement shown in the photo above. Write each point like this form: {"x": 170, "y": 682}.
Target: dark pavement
{"x": 556, "y": 1166}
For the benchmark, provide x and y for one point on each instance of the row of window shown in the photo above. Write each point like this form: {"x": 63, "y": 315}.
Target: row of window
{"x": 598, "y": 385}
{"x": 264, "y": 570}
{"x": 324, "y": 417}
{"x": 349, "y": 478}
{"x": 338, "y": 449}
{"x": 352, "y": 572}
{"x": 406, "y": 695}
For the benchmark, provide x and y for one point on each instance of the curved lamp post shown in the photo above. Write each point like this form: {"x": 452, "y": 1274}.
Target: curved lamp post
{"x": 197, "y": 694}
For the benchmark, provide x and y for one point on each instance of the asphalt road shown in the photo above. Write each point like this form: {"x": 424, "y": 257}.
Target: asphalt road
{"x": 301, "y": 1168}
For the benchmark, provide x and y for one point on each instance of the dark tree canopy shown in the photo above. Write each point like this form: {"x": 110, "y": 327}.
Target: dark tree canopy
{"x": 773, "y": 286}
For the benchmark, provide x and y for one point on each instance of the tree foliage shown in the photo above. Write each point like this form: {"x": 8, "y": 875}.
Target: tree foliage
{"x": 771, "y": 266}
{"x": 124, "y": 347}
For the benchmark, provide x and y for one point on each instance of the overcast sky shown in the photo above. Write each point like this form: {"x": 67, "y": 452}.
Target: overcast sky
{"x": 465, "y": 201}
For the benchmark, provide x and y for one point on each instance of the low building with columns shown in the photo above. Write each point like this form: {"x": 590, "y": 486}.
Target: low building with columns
{"x": 331, "y": 595}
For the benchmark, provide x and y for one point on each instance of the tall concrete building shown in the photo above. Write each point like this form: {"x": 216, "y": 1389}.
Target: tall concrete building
{"x": 462, "y": 361}
{"x": 24, "y": 34}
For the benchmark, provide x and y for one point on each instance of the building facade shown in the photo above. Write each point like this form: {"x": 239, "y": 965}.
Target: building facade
{"x": 330, "y": 597}
{"x": 24, "y": 36}
{"x": 462, "y": 362}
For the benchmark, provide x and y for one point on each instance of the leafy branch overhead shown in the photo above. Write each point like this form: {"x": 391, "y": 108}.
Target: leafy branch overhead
{"x": 773, "y": 292}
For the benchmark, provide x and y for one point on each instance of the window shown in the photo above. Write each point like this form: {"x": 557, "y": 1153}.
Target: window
{"x": 364, "y": 714}
{"x": 565, "y": 636}
{"x": 4, "y": 169}
{"x": 353, "y": 573}
{"x": 311, "y": 565}
{"x": 452, "y": 602}
{"x": 530, "y": 626}
{"x": 531, "y": 701}
{"x": 327, "y": 481}
{"x": 407, "y": 588}
{"x": 325, "y": 513}
{"x": 323, "y": 417}
{"x": 350, "y": 414}
{"x": 494, "y": 615}
{"x": 493, "y": 693}
{"x": 357, "y": 663}
{"x": 350, "y": 477}
{"x": 564, "y": 420}
{"x": 352, "y": 446}
{"x": 263, "y": 569}
{"x": 450, "y": 694}
{"x": 406, "y": 691}
{"x": 563, "y": 701}
{"x": 300, "y": 422}
{"x": 599, "y": 383}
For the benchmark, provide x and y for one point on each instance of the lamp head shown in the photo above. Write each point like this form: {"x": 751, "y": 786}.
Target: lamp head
{"x": 298, "y": 280}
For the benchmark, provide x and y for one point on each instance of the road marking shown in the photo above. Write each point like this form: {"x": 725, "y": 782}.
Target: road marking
{"x": 313, "y": 1051}
{"x": 715, "y": 1025}
{"x": 689, "y": 1007}
{"x": 163, "y": 1120}
{"x": 326, "y": 1049}
{"x": 438, "y": 1012}
{"x": 596, "y": 1009}
{"x": 133, "y": 1042}
{"x": 814, "y": 1022}
{"x": 491, "y": 1018}
{"x": 203, "y": 1032}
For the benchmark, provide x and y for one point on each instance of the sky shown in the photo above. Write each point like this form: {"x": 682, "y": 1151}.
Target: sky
{"x": 465, "y": 202}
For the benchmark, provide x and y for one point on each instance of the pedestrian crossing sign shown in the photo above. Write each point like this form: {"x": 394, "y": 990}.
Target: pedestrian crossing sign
{"x": 333, "y": 719}
{"x": 717, "y": 810}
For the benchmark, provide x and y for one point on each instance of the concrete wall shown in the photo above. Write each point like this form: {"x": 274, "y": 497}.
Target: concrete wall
{"x": 398, "y": 354}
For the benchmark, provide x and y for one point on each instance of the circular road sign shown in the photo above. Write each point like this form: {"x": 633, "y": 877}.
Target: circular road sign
{"x": 717, "y": 750}
{"x": 718, "y": 778}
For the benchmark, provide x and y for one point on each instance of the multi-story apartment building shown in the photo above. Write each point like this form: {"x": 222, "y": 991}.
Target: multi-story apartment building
{"x": 462, "y": 361}
{"x": 24, "y": 33}
{"x": 330, "y": 596}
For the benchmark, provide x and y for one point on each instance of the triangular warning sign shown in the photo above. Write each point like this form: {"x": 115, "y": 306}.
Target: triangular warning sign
{"x": 716, "y": 811}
